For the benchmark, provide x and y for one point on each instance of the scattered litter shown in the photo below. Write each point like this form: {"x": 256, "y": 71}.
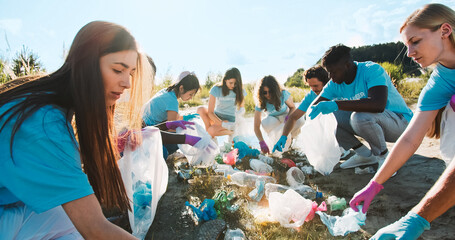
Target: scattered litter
{"x": 206, "y": 210}
{"x": 350, "y": 221}
{"x": 295, "y": 177}
{"x": 308, "y": 170}
{"x": 366, "y": 170}
{"x": 245, "y": 150}
{"x": 257, "y": 193}
{"x": 265, "y": 159}
{"x": 236, "y": 234}
{"x": 336, "y": 203}
{"x": 288, "y": 162}
{"x": 231, "y": 157}
{"x": 260, "y": 166}
{"x": 315, "y": 208}
{"x": 289, "y": 209}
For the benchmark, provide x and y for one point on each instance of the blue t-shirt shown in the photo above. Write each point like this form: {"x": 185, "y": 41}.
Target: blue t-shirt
{"x": 45, "y": 170}
{"x": 224, "y": 104}
{"x": 155, "y": 110}
{"x": 306, "y": 102}
{"x": 439, "y": 89}
{"x": 369, "y": 74}
{"x": 271, "y": 108}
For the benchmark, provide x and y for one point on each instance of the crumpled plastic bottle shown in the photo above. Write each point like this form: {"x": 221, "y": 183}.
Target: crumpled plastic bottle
{"x": 245, "y": 179}
{"x": 236, "y": 234}
{"x": 260, "y": 166}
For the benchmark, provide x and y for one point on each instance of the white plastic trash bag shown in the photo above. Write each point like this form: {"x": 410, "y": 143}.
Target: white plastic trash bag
{"x": 203, "y": 153}
{"x": 289, "y": 208}
{"x": 447, "y": 142}
{"x": 145, "y": 176}
{"x": 319, "y": 142}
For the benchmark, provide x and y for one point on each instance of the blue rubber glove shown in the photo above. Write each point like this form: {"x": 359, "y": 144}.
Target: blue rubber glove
{"x": 280, "y": 144}
{"x": 410, "y": 226}
{"x": 190, "y": 116}
{"x": 325, "y": 107}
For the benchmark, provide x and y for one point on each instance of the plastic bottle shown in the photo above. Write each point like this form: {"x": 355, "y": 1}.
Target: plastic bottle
{"x": 225, "y": 169}
{"x": 336, "y": 203}
{"x": 260, "y": 166}
{"x": 246, "y": 179}
{"x": 265, "y": 159}
{"x": 305, "y": 191}
{"x": 236, "y": 234}
{"x": 295, "y": 177}
{"x": 257, "y": 193}
{"x": 273, "y": 187}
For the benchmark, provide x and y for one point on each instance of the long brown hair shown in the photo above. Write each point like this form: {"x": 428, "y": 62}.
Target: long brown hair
{"x": 238, "y": 88}
{"x": 274, "y": 90}
{"x": 78, "y": 88}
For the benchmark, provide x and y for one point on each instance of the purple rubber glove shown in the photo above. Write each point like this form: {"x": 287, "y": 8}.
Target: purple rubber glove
{"x": 452, "y": 102}
{"x": 191, "y": 140}
{"x": 264, "y": 147}
{"x": 365, "y": 195}
{"x": 179, "y": 123}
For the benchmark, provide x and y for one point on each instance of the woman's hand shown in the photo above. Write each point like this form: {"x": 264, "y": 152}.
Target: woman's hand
{"x": 131, "y": 137}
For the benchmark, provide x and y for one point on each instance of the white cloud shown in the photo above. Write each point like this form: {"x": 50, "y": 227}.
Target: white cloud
{"x": 11, "y": 25}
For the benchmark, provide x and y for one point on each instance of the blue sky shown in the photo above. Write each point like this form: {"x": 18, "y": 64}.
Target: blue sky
{"x": 260, "y": 37}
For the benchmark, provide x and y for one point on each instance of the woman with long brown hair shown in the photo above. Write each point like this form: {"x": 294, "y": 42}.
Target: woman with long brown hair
{"x": 277, "y": 102}
{"x": 54, "y": 177}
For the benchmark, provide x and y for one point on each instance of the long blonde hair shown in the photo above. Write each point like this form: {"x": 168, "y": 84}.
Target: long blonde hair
{"x": 432, "y": 16}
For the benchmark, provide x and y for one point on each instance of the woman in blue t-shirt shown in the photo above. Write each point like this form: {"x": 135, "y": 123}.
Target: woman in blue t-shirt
{"x": 277, "y": 102}
{"x": 429, "y": 35}
{"x": 164, "y": 105}
{"x": 225, "y": 101}
{"x": 52, "y": 183}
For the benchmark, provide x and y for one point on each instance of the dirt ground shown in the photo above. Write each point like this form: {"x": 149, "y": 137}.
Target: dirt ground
{"x": 173, "y": 220}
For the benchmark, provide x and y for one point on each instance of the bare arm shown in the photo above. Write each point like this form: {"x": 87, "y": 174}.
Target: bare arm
{"x": 172, "y": 138}
{"x": 291, "y": 105}
{"x": 257, "y": 125}
{"x": 211, "y": 110}
{"x": 406, "y": 145}
{"x": 172, "y": 116}
{"x": 88, "y": 218}
{"x": 440, "y": 197}
{"x": 296, "y": 115}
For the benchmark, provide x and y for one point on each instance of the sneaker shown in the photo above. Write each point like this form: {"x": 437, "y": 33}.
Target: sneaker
{"x": 357, "y": 160}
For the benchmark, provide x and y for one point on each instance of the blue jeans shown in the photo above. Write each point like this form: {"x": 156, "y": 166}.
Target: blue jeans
{"x": 375, "y": 128}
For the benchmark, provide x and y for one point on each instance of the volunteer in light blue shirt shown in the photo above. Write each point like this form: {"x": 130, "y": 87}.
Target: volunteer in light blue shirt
{"x": 56, "y": 173}
{"x": 429, "y": 38}
{"x": 278, "y": 104}
{"x": 226, "y": 100}
{"x": 365, "y": 104}
{"x": 316, "y": 77}
{"x": 164, "y": 105}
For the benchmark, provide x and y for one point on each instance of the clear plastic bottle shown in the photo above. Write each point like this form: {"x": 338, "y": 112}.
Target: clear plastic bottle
{"x": 265, "y": 159}
{"x": 260, "y": 166}
{"x": 246, "y": 179}
{"x": 273, "y": 187}
{"x": 236, "y": 234}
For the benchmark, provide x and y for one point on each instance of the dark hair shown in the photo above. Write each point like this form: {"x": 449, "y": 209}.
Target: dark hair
{"x": 77, "y": 87}
{"x": 238, "y": 88}
{"x": 274, "y": 91}
{"x": 189, "y": 82}
{"x": 317, "y": 72}
{"x": 335, "y": 54}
